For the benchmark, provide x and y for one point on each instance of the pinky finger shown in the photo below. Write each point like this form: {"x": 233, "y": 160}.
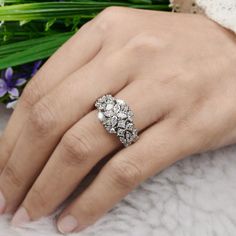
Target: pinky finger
{"x": 158, "y": 147}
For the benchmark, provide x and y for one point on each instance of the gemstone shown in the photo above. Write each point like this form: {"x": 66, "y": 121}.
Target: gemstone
{"x": 108, "y": 113}
{"x": 107, "y": 122}
{"x": 102, "y": 99}
{"x": 109, "y": 106}
{"x": 121, "y": 124}
{"x": 101, "y": 117}
{"x": 113, "y": 121}
{"x": 109, "y": 129}
{"x": 123, "y": 140}
{"x": 97, "y": 104}
{"x": 130, "y": 113}
{"x": 100, "y": 104}
{"x": 129, "y": 137}
{"x": 112, "y": 131}
{"x": 129, "y": 126}
{"x": 116, "y": 108}
{"x": 109, "y": 99}
{"x": 129, "y": 119}
{"x": 125, "y": 108}
{"x": 119, "y": 101}
{"x": 135, "y": 134}
{"x": 122, "y": 115}
{"x": 120, "y": 132}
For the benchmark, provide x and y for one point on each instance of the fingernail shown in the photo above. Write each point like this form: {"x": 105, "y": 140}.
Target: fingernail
{"x": 20, "y": 218}
{"x": 67, "y": 224}
{"x": 2, "y": 203}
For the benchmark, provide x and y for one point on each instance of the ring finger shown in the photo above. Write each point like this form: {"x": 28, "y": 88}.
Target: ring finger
{"x": 85, "y": 144}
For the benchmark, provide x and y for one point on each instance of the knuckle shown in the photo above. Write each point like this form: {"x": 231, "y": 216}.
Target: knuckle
{"x": 84, "y": 27}
{"x": 145, "y": 43}
{"x": 11, "y": 176}
{"x": 111, "y": 11}
{"x": 41, "y": 117}
{"x": 31, "y": 94}
{"x": 76, "y": 146}
{"x": 106, "y": 19}
{"x": 125, "y": 174}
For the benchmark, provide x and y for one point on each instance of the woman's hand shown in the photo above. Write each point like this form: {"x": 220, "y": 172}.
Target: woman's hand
{"x": 177, "y": 73}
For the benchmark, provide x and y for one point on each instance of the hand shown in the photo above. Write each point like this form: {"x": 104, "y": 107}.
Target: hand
{"x": 177, "y": 73}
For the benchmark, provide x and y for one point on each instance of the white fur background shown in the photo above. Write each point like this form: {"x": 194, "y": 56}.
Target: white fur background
{"x": 195, "y": 197}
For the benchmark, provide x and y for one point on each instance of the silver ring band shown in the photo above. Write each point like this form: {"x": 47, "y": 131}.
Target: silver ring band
{"x": 117, "y": 118}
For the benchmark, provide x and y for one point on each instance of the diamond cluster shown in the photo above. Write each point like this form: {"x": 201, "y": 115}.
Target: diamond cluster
{"x": 117, "y": 118}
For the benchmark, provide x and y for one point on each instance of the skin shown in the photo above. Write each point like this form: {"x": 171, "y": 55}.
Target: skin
{"x": 177, "y": 73}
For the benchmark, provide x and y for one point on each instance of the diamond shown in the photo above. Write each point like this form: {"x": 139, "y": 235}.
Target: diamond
{"x": 103, "y": 99}
{"x": 109, "y": 128}
{"x": 135, "y": 135}
{"x": 129, "y": 119}
{"x": 109, "y": 106}
{"x": 112, "y": 131}
{"x": 109, "y": 99}
{"x": 113, "y": 121}
{"x": 100, "y": 104}
{"x": 108, "y": 113}
{"x": 116, "y": 108}
{"x": 130, "y": 113}
{"x": 121, "y": 124}
{"x": 101, "y": 117}
{"x": 121, "y": 132}
{"x": 122, "y": 115}
{"x": 97, "y": 105}
{"x": 119, "y": 101}
{"x": 128, "y": 136}
{"x": 129, "y": 126}
{"x": 125, "y": 108}
{"x": 123, "y": 140}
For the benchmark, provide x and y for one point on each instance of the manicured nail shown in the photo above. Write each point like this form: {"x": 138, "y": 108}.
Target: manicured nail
{"x": 20, "y": 218}
{"x": 67, "y": 224}
{"x": 2, "y": 203}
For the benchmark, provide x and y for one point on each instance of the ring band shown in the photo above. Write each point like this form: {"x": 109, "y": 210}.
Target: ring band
{"x": 117, "y": 118}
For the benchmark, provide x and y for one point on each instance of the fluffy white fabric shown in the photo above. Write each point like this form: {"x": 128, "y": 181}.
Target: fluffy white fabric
{"x": 196, "y": 196}
{"x": 221, "y": 11}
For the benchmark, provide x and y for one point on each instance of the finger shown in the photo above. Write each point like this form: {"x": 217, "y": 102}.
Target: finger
{"x": 84, "y": 145}
{"x": 87, "y": 42}
{"x": 157, "y": 148}
{"x": 51, "y": 117}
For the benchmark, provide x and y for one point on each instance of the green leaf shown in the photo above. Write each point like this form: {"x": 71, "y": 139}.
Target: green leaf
{"x": 49, "y": 24}
{"x": 49, "y": 10}
{"x": 5, "y": 50}
{"x": 23, "y": 22}
{"x": 31, "y": 50}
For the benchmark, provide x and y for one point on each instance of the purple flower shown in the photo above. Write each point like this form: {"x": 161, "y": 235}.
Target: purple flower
{"x": 9, "y": 84}
{"x": 36, "y": 67}
{"x": 29, "y": 70}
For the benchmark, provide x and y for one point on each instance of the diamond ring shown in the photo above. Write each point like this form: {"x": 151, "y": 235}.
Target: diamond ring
{"x": 117, "y": 118}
